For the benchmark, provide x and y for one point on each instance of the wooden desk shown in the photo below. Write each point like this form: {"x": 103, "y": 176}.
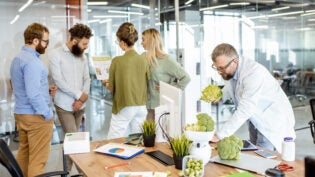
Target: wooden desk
{"x": 92, "y": 164}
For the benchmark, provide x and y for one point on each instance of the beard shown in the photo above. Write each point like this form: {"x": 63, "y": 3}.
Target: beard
{"x": 40, "y": 49}
{"x": 227, "y": 76}
{"x": 77, "y": 51}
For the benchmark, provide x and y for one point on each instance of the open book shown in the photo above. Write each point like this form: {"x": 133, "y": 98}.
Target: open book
{"x": 101, "y": 66}
{"x": 120, "y": 150}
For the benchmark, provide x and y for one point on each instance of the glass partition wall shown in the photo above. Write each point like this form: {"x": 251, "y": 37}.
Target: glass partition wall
{"x": 277, "y": 34}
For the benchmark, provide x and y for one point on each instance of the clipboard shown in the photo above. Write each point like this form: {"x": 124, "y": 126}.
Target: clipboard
{"x": 119, "y": 150}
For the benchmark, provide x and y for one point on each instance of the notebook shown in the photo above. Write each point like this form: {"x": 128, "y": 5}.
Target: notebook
{"x": 248, "y": 162}
{"x": 120, "y": 150}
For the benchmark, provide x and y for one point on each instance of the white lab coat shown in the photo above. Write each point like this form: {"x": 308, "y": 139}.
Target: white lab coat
{"x": 260, "y": 99}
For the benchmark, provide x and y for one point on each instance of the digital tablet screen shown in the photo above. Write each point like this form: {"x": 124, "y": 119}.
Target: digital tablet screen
{"x": 248, "y": 146}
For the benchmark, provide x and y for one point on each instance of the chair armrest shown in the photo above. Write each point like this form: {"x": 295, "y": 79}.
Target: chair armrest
{"x": 311, "y": 122}
{"x": 54, "y": 173}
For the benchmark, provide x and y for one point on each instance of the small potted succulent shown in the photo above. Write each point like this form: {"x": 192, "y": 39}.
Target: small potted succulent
{"x": 148, "y": 130}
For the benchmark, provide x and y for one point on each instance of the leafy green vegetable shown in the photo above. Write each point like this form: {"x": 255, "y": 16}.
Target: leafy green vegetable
{"x": 204, "y": 123}
{"x": 229, "y": 148}
{"x": 212, "y": 93}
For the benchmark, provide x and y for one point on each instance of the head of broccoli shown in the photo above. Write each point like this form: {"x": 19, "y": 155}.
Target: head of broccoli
{"x": 229, "y": 148}
{"x": 204, "y": 123}
{"x": 211, "y": 93}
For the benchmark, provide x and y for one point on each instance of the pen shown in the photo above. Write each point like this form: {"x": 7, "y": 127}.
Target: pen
{"x": 117, "y": 165}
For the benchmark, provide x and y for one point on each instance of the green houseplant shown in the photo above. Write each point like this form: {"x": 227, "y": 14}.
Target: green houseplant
{"x": 180, "y": 146}
{"x": 148, "y": 130}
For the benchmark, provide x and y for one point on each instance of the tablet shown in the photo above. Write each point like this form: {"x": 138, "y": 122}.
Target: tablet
{"x": 248, "y": 146}
{"x": 161, "y": 157}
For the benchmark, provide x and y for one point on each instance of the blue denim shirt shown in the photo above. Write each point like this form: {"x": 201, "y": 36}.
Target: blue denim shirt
{"x": 30, "y": 84}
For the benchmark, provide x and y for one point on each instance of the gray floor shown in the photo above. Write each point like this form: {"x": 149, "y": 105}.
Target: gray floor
{"x": 98, "y": 113}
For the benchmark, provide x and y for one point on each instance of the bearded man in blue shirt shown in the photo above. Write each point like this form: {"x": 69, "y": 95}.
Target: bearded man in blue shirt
{"x": 33, "y": 116}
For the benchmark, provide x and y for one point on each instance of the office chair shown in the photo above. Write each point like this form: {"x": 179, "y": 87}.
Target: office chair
{"x": 298, "y": 87}
{"x": 9, "y": 162}
{"x": 312, "y": 122}
{"x": 309, "y": 163}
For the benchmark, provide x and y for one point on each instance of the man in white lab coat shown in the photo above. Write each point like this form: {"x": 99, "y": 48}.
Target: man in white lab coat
{"x": 258, "y": 97}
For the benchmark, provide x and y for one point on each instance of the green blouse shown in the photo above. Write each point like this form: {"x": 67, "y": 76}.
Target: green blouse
{"x": 167, "y": 70}
{"x": 128, "y": 75}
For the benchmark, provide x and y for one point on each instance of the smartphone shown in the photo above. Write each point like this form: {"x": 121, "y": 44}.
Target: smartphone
{"x": 265, "y": 154}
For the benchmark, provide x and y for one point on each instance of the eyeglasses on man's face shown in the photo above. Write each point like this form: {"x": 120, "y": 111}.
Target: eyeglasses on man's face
{"x": 223, "y": 68}
{"x": 46, "y": 41}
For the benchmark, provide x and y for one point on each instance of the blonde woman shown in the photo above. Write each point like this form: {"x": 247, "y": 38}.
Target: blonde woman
{"x": 162, "y": 68}
{"x": 128, "y": 75}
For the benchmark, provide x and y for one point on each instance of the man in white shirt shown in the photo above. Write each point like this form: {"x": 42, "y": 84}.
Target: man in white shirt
{"x": 70, "y": 72}
{"x": 258, "y": 97}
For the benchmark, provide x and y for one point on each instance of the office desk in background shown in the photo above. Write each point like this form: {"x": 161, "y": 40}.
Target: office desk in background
{"x": 93, "y": 164}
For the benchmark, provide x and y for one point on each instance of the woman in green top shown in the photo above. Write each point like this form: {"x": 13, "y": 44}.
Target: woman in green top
{"x": 162, "y": 68}
{"x": 128, "y": 75}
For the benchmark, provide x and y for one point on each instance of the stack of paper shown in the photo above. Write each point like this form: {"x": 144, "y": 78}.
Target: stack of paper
{"x": 78, "y": 142}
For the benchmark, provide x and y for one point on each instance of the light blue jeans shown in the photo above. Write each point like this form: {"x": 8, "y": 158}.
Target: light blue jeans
{"x": 258, "y": 138}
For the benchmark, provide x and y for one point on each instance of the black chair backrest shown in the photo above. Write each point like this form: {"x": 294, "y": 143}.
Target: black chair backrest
{"x": 312, "y": 122}
{"x": 8, "y": 160}
{"x": 312, "y": 104}
{"x": 309, "y": 163}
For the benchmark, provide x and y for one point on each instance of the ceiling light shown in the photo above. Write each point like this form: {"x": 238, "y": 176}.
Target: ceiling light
{"x": 307, "y": 14}
{"x": 15, "y": 19}
{"x": 257, "y": 17}
{"x": 311, "y": 20}
{"x": 110, "y": 16}
{"x": 25, "y": 5}
{"x": 140, "y": 6}
{"x": 105, "y": 21}
{"x": 288, "y": 13}
{"x": 280, "y": 8}
{"x": 289, "y": 18}
{"x": 239, "y": 3}
{"x": 97, "y": 3}
{"x": 89, "y": 10}
{"x": 125, "y": 12}
{"x": 93, "y": 21}
{"x": 188, "y": 2}
{"x": 214, "y": 7}
{"x": 260, "y": 27}
{"x": 303, "y": 29}
{"x": 309, "y": 11}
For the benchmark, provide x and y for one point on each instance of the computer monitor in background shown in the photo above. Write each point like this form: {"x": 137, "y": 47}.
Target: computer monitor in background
{"x": 170, "y": 101}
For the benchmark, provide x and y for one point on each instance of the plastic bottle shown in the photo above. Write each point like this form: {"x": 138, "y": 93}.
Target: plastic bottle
{"x": 288, "y": 149}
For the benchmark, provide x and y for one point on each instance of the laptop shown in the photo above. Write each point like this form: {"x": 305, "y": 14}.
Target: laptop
{"x": 248, "y": 162}
{"x": 248, "y": 146}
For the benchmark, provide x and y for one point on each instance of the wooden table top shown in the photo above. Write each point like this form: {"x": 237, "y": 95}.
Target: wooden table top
{"x": 93, "y": 164}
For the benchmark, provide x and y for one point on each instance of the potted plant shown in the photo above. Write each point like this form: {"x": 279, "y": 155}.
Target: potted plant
{"x": 180, "y": 146}
{"x": 148, "y": 130}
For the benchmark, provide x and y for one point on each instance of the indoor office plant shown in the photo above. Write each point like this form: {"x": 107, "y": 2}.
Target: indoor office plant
{"x": 180, "y": 146}
{"x": 148, "y": 130}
